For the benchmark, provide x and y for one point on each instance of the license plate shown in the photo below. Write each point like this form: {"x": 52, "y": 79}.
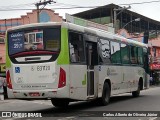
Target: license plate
{"x": 34, "y": 94}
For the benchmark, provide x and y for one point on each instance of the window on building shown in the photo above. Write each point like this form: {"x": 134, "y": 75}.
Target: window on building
{"x": 1, "y": 40}
{"x": 154, "y": 51}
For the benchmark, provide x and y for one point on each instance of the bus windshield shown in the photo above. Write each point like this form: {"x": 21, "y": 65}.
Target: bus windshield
{"x": 34, "y": 39}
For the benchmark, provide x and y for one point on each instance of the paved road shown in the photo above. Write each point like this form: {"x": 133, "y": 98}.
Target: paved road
{"x": 148, "y": 101}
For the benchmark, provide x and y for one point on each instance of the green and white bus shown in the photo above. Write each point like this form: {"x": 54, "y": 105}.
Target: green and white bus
{"x": 65, "y": 62}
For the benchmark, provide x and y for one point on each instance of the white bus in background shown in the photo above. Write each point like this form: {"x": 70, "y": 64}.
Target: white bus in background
{"x": 65, "y": 62}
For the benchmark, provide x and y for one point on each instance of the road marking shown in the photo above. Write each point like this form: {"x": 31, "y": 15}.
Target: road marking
{"x": 33, "y": 101}
{"x": 153, "y": 118}
{"x": 2, "y": 118}
{"x": 71, "y": 117}
{"x": 43, "y": 102}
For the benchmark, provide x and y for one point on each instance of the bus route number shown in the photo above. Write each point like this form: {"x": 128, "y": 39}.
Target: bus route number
{"x": 43, "y": 68}
{"x": 17, "y": 46}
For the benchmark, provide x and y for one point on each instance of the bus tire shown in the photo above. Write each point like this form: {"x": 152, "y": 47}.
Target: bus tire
{"x": 137, "y": 92}
{"x": 105, "y": 94}
{"x": 60, "y": 103}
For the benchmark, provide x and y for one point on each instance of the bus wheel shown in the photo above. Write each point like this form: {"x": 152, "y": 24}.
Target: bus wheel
{"x": 105, "y": 94}
{"x": 61, "y": 103}
{"x": 137, "y": 92}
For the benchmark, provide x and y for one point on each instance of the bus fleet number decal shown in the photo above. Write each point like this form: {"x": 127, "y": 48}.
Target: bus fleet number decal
{"x": 43, "y": 68}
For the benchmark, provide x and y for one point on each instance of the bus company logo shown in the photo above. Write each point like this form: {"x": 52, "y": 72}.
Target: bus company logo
{"x": 108, "y": 72}
{"x": 32, "y": 68}
{"x": 17, "y": 69}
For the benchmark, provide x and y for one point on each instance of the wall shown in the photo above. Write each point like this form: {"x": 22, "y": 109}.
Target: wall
{"x": 46, "y": 15}
{"x": 2, "y": 53}
{"x": 134, "y": 36}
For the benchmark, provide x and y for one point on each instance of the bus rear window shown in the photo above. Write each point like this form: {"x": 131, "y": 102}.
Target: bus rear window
{"x": 34, "y": 40}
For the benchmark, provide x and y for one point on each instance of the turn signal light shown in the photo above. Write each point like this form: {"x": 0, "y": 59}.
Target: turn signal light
{"x": 9, "y": 83}
{"x": 62, "y": 78}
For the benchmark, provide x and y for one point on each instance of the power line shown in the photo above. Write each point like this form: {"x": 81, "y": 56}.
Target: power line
{"x": 50, "y": 8}
{"x": 141, "y": 3}
{"x": 15, "y": 9}
{"x": 70, "y": 6}
{"x": 76, "y": 7}
{"x": 63, "y": 4}
{"x": 16, "y": 6}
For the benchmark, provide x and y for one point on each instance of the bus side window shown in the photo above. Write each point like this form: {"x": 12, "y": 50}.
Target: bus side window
{"x": 140, "y": 56}
{"x": 103, "y": 46}
{"x": 125, "y": 54}
{"x": 76, "y": 46}
{"x": 74, "y": 53}
{"x": 133, "y": 55}
{"x": 115, "y": 53}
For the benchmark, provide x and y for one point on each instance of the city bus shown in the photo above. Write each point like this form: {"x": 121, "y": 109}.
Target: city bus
{"x": 65, "y": 62}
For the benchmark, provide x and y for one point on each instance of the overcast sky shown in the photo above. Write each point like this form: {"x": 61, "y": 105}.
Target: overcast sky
{"x": 150, "y": 9}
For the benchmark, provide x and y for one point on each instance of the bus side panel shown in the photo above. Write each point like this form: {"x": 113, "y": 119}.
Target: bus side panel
{"x": 114, "y": 75}
{"x": 10, "y": 93}
{"x": 131, "y": 78}
{"x": 64, "y": 91}
{"x": 78, "y": 82}
{"x": 96, "y": 80}
{"x": 63, "y": 57}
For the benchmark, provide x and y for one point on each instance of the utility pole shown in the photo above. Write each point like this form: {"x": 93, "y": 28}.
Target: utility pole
{"x": 115, "y": 15}
{"x": 44, "y": 3}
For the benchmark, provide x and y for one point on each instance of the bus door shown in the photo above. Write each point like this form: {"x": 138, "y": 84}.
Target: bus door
{"x": 91, "y": 57}
{"x": 146, "y": 67}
